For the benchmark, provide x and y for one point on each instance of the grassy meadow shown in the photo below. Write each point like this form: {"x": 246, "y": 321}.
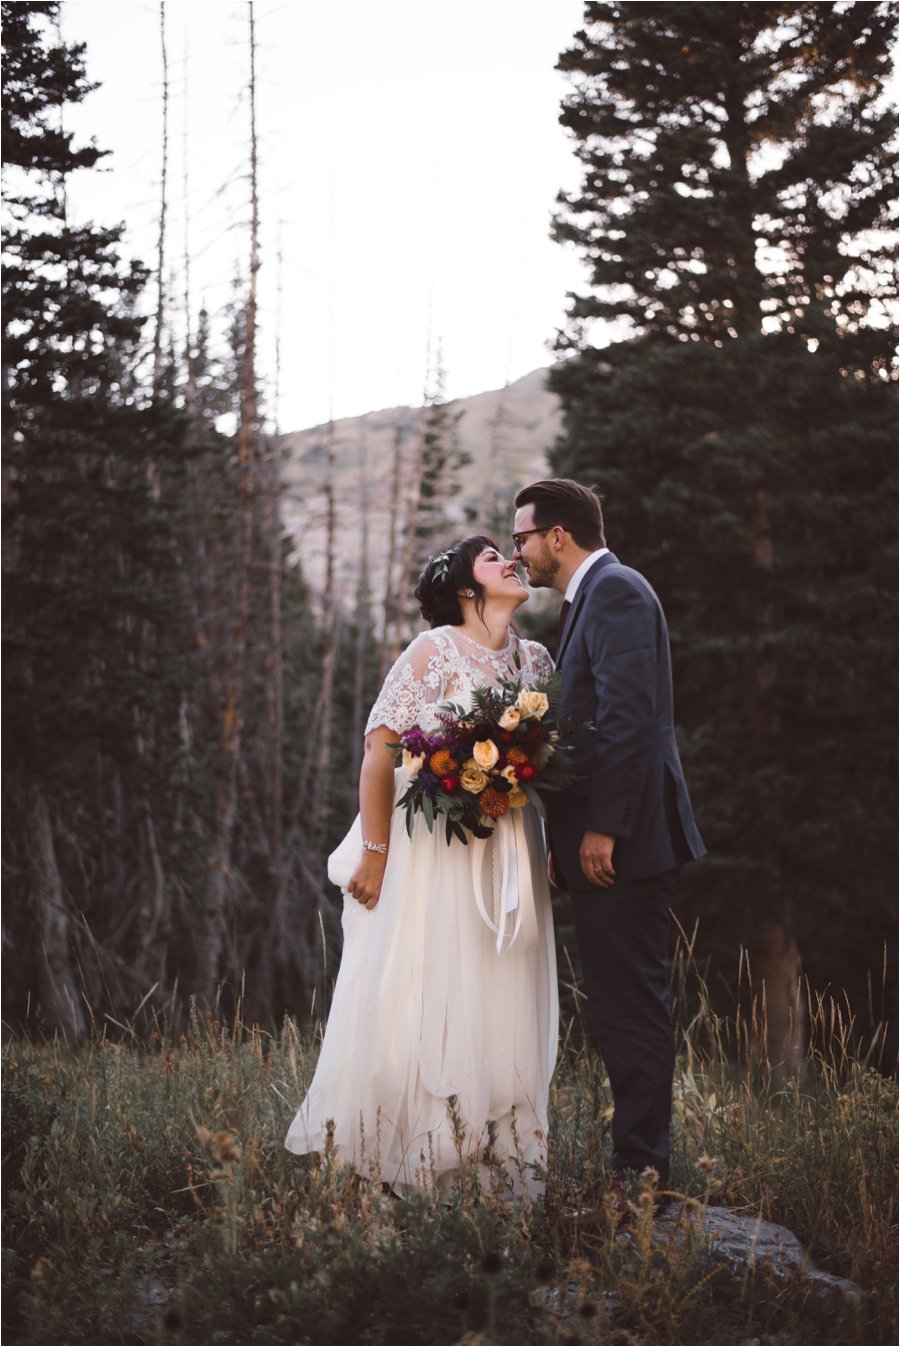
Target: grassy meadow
{"x": 148, "y": 1200}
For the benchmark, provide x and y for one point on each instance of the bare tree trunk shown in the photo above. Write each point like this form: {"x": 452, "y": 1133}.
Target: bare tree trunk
{"x": 275, "y": 670}
{"x": 161, "y": 246}
{"x": 410, "y": 526}
{"x": 494, "y": 468}
{"x": 774, "y": 956}
{"x": 325, "y": 706}
{"x": 153, "y": 908}
{"x": 190, "y": 397}
{"x": 276, "y": 392}
{"x": 391, "y": 599}
{"x": 211, "y": 941}
{"x": 496, "y": 495}
{"x": 775, "y": 966}
{"x": 362, "y": 609}
{"x": 274, "y": 662}
{"x": 57, "y": 990}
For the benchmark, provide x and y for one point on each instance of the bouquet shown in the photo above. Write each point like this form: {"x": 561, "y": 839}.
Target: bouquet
{"x": 499, "y": 754}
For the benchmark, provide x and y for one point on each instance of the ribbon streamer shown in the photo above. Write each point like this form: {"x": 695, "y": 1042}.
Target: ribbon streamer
{"x": 512, "y": 888}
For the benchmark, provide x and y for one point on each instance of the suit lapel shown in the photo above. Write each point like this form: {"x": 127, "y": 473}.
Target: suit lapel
{"x": 575, "y": 611}
{"x": 571, "y": 619}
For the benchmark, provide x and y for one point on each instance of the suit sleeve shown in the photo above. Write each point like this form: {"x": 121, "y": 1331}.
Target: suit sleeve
{"x": 620, "y": 626}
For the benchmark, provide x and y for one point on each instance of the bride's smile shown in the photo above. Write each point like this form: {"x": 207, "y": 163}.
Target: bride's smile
{"x": 498, "y": 577}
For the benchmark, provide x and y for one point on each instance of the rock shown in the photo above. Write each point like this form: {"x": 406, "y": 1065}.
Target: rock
{"x": 150, "y": 1299}
{"x": 751, "y": 1247}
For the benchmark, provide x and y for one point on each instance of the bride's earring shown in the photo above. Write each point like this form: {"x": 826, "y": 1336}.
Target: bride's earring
{"x": 468, "y": 593}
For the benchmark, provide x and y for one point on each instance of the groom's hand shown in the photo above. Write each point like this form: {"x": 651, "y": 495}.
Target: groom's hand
{"x": 595, "y": 855}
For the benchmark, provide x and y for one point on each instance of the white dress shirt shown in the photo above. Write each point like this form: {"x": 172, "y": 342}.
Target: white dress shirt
{"x": 578, "y": 576}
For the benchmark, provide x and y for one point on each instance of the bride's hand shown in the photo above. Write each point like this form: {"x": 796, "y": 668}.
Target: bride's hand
{"x": 365, "y": 882}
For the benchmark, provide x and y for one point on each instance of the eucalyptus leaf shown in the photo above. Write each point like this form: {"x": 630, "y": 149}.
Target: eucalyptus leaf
{"x": 533, "y": 798}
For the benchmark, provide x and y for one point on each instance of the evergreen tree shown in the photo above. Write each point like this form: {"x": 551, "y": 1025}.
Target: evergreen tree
{"x": 737, "y": 180}
{"x": 442, "y": 461}
{"x": 144, "y": 548}
{"x": 86, "y": 580}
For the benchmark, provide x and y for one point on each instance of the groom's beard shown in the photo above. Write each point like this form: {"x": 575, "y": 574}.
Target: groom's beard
{"x": 543, "y": 571}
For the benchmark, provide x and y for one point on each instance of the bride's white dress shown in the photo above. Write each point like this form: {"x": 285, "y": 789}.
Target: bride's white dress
{"x": 441, "y": 1007}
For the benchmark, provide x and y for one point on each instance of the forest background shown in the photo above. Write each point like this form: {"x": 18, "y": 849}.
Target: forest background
{"x": 185, "y": 705}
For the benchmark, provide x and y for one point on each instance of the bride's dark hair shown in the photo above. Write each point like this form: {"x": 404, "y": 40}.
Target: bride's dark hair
{"x": 439, "y": 585}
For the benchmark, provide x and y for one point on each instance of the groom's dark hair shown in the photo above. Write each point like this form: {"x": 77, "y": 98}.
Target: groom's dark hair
{"x": 559, "y": 500}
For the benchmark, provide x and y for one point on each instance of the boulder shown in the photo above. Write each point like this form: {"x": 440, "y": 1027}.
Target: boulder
{"x": 752, "y": 1248}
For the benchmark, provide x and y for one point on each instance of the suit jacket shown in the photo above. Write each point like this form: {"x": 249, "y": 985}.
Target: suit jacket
{"x": 617, "y": 672}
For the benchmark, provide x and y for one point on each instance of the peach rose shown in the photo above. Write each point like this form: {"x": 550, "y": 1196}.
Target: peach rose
{"x": 517, "y": 798}
{"x": 533, "y": 704}
{"x": 413, "y": 763}
{"x": 486, "y": 754}
{"x": 473, "y": 780}
{"x": 510, "y": 718}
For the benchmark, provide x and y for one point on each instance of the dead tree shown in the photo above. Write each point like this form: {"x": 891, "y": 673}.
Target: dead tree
{"x": 362, "y": 605}
{"x": 774, "y": 956}
{"x": 190, "y": 370}
{"x": 391, "y": 598}
{"x": 161, "y": 244}
{"x": 59, "y": 1000}
{"x": 211, "y": 940}
{"x": 274, "y": 660}
{"x": 320, "y": 759}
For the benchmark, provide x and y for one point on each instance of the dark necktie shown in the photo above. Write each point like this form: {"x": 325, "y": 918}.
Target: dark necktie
{"x": 563, "y": 614}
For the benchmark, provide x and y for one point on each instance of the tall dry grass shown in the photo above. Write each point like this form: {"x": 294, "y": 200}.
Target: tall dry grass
{"x": 148, "y": 1199}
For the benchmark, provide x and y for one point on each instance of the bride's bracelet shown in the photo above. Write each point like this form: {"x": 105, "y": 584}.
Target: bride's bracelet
{"x": 380, "y": 848}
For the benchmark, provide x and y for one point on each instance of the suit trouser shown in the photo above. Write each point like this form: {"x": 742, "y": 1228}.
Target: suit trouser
{"x": 623, "y": 936}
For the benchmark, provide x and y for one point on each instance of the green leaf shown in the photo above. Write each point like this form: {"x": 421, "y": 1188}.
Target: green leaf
{"x": 534, "y": 798}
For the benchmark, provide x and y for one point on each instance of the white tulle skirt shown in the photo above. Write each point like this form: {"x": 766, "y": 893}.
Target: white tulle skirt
{"x": 439, "y": 1042}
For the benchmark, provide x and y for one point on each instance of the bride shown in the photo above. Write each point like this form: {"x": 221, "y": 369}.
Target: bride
{"x": 442, "y": 1034}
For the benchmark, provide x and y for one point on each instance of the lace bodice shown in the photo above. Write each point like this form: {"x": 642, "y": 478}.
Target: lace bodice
{"x": 444, "y": 665}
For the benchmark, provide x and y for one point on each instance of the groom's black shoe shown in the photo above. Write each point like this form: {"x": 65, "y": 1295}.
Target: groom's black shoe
{"x": 608, "y": 1209}
{"x": 616, "y": 1204}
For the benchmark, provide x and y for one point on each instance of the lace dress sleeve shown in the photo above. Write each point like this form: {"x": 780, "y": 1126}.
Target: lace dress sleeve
{"x": 540, "y": 665}
{"x": 416, "y": 681}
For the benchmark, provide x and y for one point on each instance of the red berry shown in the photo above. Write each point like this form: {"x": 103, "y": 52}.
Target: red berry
{"x": 450, "y": 784}
{"x": 527, "y": 772}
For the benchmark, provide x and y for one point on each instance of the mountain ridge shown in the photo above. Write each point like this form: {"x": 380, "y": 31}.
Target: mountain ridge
{"x": 506, "y": 432}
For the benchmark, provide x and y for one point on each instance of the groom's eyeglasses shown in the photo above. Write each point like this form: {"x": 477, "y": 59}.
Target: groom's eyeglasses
{"x": 518, "y": 537}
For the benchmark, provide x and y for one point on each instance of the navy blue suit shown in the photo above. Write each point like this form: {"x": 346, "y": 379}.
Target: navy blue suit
{"x": 616, "y": 672}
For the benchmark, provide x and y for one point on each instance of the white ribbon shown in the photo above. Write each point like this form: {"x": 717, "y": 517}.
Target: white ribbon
{"x": 512, "y": 889}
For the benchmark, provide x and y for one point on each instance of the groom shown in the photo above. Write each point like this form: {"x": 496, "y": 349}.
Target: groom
{"x": 619, "y": 835}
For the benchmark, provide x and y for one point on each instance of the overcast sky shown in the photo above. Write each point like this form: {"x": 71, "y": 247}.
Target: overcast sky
{"x": 410, "y": 153}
